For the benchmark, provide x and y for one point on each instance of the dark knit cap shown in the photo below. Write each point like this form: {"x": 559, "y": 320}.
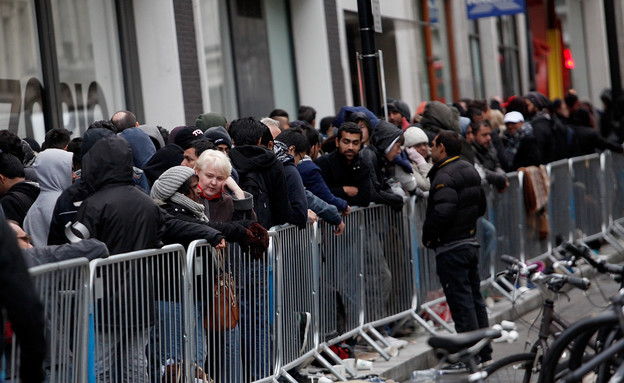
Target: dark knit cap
{"x": 165, "y": 158}
{"x": 218, "y": 135}
{"x": 185, "y": 137}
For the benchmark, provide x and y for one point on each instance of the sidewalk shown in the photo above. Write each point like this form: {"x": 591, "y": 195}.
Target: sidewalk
{"x": 418, "y": 355}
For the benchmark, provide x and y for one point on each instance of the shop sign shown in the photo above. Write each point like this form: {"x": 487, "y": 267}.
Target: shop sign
{"x": 377, "y": 16}
{"x": 487, "y": 8}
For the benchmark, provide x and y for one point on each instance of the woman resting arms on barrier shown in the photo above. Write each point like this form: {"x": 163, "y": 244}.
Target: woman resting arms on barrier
{"x": 178, "y": 193}
{"x": 214, "y": 168}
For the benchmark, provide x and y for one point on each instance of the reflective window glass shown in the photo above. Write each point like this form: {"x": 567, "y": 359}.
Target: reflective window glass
{"x": 218, "y": 57}
{"x": 20, "y": 70}
{"x": 508, "y": 51}
{"x": 90, "y": 74}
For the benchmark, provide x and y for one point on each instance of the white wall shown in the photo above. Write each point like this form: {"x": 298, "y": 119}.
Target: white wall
{"x": 459, "y": 18}
{"x": 159, "y": 63}
{"x": 409, "y": 64}
{"x": 523, "y": 53}
{"x": 596, "y": 50}
{"x": 312, "y": 56}
{"x": 489, "y": 57}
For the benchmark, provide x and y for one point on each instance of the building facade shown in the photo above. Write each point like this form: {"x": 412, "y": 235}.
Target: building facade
{"x": 68, "y": 63}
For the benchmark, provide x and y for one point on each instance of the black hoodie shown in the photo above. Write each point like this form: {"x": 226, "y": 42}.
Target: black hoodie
{"x": 262, "y": 175}
{"x": 18, "y": 200}
{"x": 115, "y": 212}
{"x": 374, "y": 156}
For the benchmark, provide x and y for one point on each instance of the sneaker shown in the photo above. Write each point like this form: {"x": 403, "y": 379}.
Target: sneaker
{"x": 485, "y": 364}
{"x": 304, "y": 319}
{"x": 455, "y": 368}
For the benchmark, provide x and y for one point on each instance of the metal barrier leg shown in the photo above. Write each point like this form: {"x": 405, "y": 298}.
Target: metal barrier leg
{"x": 434, "y": 316}
{"x": 501, "y": 290}
{"x": 617, "y": 227}
{"x": 286, "y": 375}
{"x": 377, "y": 335}
{"x": 423, "y": 323}
{"x": 613, "y": 242}
{"x": 374, "y": 345}
{"x": 329, "y": 366}
{"x": 337, "y": 359}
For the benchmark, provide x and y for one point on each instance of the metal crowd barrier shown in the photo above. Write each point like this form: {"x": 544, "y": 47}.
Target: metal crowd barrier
{"x": 151, "y": 314}
{"x": 509, "y": 220}
{"x": 297, "y": 308}
{"x": 588, "y": 194}
{"x": 138, "y": 302}
{"x": 560, "y": 203}
{"x": 614, "y": 184}
{"x": 63, "y": 288}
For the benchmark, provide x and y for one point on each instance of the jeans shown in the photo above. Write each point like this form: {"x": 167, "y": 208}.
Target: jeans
{"x": 255, "y": 322}
{"x": 486, "y": 236}
{"x": 120, "y": 355}
{"x": 224, "y": 361}
{"x": 166, "y": 337}
{"x": 458, "y": 270}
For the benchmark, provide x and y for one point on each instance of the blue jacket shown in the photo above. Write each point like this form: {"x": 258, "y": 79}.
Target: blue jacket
{"x": 298, "y": 214}
{"x": 325, "y": 211}
{"x": 314, "y": 182}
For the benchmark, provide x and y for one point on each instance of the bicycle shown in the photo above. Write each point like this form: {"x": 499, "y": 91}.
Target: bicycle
{"x": 605, "y": 330}
{"x": 465, "y": 348}
{"x": 529, "y": 364}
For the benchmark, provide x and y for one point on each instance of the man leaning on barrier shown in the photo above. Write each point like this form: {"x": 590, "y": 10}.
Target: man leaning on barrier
{"x": 456, "y": 201}
{"x": 346, "y": 176}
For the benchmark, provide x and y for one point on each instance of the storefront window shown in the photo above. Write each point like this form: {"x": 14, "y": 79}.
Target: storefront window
{"x": 440, "y": 50}
{"x": 508, "y": 51}
{"x": 475, "y": 57}
{"x": 87, "y": 45}
{"x": 20, "y": 70}
{"x": 218, "y": 58}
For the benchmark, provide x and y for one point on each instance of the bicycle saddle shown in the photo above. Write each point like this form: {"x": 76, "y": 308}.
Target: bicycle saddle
{"x": 457, "y": 342}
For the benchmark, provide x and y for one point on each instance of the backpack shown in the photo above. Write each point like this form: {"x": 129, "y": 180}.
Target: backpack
{"x": 253, "y": 183}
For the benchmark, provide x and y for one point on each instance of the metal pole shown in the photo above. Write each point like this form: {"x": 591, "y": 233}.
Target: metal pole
{"x": 383, "y": 83}
{"x": 614, "y": 60}
{"x": 530, "y": 52}
{"x": 369, "y": 56}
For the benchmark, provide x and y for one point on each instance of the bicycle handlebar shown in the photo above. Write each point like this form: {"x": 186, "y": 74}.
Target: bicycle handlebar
{"x": 519, "y": 266}
{"x": 579, "y": 283}
{"x": 582, "y": 251}
{"x": 509, "y": 259}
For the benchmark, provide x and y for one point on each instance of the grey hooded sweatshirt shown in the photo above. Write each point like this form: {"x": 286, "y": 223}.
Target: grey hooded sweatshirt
{"x": 54, "y": 172}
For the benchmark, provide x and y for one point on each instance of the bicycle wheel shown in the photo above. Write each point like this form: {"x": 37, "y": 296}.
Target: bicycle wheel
{"x": 609, "y": 369}
{"x": 556, "y": 363}
{"x": 512, "y": 368}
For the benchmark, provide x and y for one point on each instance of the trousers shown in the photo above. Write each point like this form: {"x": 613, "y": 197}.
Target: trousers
{"x": 458, "y": 270}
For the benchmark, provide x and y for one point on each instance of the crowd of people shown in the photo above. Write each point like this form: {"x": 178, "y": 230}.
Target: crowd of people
{"x": 123, "y": 186}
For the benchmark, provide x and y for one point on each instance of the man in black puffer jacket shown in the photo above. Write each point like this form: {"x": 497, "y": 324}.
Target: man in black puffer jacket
{"x": 456, "y": 201}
